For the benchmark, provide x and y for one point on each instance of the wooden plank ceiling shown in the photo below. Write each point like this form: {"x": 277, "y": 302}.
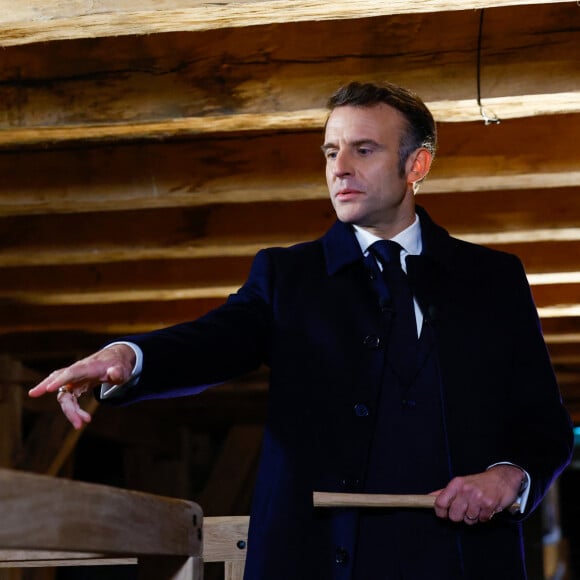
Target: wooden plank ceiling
{"x": 146, "y": 155}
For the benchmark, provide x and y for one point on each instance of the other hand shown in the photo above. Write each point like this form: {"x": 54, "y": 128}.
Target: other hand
{"x": 112, "y": 365}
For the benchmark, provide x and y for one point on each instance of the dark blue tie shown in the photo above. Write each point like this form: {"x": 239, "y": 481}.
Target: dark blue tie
{"x": 398, "y": 298}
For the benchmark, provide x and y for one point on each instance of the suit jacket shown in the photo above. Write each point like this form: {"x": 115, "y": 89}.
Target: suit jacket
{"x": 309, "y": 312}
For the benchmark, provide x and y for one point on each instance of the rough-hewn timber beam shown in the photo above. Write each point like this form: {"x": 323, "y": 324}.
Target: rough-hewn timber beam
{"x": 515, "y": 155}
{"x": 182, "y": 279}
{"x": 39, "y": 21}
{"x": 223, "y": 81}
{"x": 567, "y": 293}
{"x": 127, "y": 318}
{"x": 458, "y": 111}
{"x": 515, "y": 220}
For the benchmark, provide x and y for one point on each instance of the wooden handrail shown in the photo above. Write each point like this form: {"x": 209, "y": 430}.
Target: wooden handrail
{"x": 86, "y": 517}
{"x": 50, "y": 522}
{"x": 53, "y": 522}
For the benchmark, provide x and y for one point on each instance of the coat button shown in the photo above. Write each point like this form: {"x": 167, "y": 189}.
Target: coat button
{"x": 341, "y": 556}
{"x": 361, "y": 410}
{"x": 387, "y": 310}
{"x": 347, "y": 484}
{"x": 372, "y": 341}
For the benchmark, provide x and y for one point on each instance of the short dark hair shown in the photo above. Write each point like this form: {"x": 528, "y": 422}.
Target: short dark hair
{"x": 421, "y": 127}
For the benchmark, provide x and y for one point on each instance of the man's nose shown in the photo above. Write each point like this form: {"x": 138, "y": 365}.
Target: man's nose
{"x": 342, "y": 164}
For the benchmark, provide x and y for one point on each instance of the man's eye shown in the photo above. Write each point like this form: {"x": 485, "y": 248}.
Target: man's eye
{"x": 331, "y": 154}
{"x": 364, "y": 151}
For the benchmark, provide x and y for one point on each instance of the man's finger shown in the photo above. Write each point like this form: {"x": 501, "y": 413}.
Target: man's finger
{"x": 72, "y": 411}
{"x": 53, "y": 382}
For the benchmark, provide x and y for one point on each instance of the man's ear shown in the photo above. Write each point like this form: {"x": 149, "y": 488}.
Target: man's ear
{"x": 418, "y": 165}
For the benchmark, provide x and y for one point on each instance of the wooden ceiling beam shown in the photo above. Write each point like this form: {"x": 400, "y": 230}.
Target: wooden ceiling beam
{"x": 550, "y": 298}
{"x": 557, "y": 296}
{"x": 37, "y": 21}
{"x": 515, "y": 221}
{"x": 235, "y": 248}
{"x": 186, "y": 279}
{"x": 139, "y": 275}
{"x": 45, "y": 351}
{"x": 119, "y": 319}
{"x": 280, "y": 167}
{"x": 135, "y": 317}
{"x": 444, "y": 111}
{"x": 216, "y": 278}
{"x": 562, "y": 330}
{"x": 228, "y": 80}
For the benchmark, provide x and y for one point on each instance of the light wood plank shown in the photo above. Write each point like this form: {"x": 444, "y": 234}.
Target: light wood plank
{"x": 234, "y": 570}
{"x": 375, "y": 500}
{"x": 222, "y": 537}
{"x": 330, "y": 499}
{"x": 44, "y": 559}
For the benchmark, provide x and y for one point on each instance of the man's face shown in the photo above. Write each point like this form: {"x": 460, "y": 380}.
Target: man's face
{"x": 361, "y": 147}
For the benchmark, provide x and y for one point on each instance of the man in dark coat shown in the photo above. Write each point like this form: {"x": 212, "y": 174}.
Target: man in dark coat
{"x": 465, "y": 406}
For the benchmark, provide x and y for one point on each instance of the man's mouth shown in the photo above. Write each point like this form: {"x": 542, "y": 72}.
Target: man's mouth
{"x": 348, "y": 193}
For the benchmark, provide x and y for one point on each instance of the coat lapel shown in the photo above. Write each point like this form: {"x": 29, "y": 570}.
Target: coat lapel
{"x": 340, "y": 247}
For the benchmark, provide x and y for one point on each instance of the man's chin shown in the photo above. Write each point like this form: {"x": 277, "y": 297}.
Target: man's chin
{"x": 347, "y": 215}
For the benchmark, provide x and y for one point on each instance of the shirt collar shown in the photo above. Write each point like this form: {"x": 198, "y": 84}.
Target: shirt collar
{"x": 410, "y": 239}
